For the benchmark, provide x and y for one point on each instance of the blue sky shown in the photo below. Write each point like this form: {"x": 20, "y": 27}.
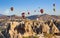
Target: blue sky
{"x": 29, "y": 5}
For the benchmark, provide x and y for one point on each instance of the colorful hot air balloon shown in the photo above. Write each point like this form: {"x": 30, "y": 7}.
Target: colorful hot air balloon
{"x": 23, "y": 15}
{"x": 41, "y": 11}
{"x": 11, "y": 8}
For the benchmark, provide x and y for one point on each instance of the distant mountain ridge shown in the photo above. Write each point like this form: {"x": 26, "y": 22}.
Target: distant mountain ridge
{"x": 9, "y": 16}
{"x": 44, "y": 17}
{"x": 1, "y": 14}
{"x": 32, "y": 17}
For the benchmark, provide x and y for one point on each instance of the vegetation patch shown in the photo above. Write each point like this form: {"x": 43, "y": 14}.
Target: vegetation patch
{"x": 31, "y": 37}
{"x": 46, "y": 35}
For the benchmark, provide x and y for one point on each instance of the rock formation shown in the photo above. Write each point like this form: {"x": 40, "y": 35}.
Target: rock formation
{"x": 26, "y": 28}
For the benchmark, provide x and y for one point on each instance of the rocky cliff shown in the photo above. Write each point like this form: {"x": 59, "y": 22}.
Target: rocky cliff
{"x": 27, "y": 27}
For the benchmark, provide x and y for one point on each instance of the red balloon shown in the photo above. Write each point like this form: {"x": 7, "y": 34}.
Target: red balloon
{"x": 11, "y": 8}
{"x": 41, "y": 10}
{"x": 23, "y": 15}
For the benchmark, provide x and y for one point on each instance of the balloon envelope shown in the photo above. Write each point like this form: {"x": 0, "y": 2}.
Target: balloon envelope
{"x": 54, "y": 9}
{"x": 34, "y": 10}
{"x": 23, "y": 15}
{"x": 53, "y": 4}
{"x": 41, "y": 10}
{"x": 28, "y": 12}
{"x": 11, "y": 8}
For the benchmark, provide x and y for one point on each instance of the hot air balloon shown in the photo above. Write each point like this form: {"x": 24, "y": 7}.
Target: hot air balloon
{"x": 11, "y": 8}
{"x": 39, "y": 7}
{"x": 34, "y": 10}
{"x": 10, "y": 16}
{"x": 28, "y": 13}
{"x": 53, "y": 4}
{"x": 54, "y": 9}
{"x": 41, "y": 11}
{"x": 23, "y": 15}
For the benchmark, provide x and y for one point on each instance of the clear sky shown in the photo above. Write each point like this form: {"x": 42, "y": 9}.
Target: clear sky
{"x": 29, "y": 5}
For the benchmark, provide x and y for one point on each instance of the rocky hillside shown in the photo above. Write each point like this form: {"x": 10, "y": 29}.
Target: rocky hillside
{"x": 30, "y": 28}
{"x": 44, "y": 17}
